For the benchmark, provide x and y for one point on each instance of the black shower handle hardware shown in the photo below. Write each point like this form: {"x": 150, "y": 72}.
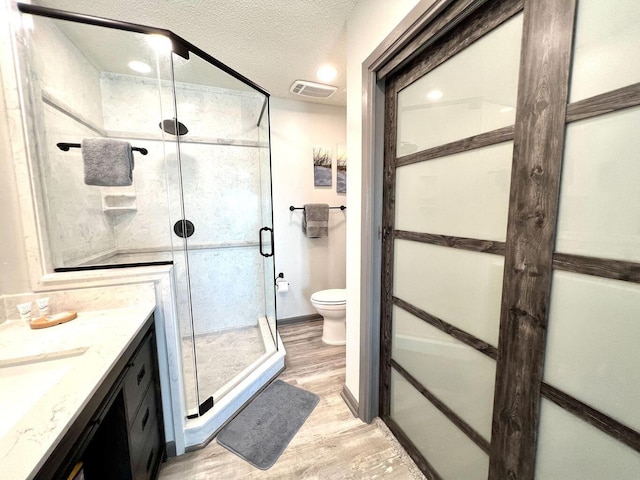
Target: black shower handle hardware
{"x": 270, "y": 230}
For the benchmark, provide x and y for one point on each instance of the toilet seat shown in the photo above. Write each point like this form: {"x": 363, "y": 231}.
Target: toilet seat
{"x": 334, "y": 296}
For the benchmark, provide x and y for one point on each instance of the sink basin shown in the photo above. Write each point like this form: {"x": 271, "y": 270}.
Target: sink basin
{"x": 23, "y": 381}
{"x": 40, "y": 358}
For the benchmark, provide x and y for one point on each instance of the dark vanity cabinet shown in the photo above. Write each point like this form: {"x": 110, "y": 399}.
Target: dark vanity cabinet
{"x": 119, "y": 435}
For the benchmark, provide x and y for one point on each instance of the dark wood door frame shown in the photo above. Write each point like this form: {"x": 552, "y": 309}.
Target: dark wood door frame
{"x": 471, "y": 28}
{"x": 422, "y": 26}
{"x": 533, "y": 207}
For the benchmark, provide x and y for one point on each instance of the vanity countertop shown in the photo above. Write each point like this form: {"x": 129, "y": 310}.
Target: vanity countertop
{"x": 47, "y": 377}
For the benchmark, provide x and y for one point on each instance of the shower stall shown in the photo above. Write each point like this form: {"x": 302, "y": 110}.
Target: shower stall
{"x": 200, "y": 201}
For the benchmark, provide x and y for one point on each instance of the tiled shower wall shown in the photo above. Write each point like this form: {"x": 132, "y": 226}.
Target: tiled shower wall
{"x": 221, "y": 191}
{"x": 63, "y": 77}
{"x": 221, "y": 180}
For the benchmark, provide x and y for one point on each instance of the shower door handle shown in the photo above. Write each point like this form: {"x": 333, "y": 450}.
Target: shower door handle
{"x": 270, "y": 230}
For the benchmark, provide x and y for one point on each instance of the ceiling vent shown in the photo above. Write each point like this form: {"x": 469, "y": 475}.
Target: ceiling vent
{"x": 311, "y": 89}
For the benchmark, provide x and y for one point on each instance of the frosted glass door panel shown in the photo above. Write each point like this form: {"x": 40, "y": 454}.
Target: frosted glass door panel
{"x": 460, "y": 287}
{"x": 606, "y": 47}
{"x": 570, "y": 449}
{"x": 592, "y": 343}
{"x": 471, "y": 93}
{"x": 464, "y": 195}
{"x": 451, "y": 452}
{"x": 600, "y": 191}
{"x": 460, "y": 376}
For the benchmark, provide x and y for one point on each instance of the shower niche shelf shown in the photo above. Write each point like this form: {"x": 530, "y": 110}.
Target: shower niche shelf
{"x": 118, "y": 204}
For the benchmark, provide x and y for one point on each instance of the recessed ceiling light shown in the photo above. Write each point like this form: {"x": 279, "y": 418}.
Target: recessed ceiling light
{"x": 326, "y": 73}
{"x": 434, "y": 95}
{"x": 138, "y": 66}
{"x": 506, "y": 109}
{"x": 160, "y": 43}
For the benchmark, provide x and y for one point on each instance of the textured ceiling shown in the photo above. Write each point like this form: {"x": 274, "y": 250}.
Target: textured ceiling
{"x": 271, "y": 42}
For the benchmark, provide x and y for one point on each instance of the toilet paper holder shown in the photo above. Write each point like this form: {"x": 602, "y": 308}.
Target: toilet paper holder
{"x": 282, "y": 285}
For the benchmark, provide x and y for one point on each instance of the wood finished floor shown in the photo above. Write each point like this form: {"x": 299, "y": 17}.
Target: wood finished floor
{"x": 331, "y": 444}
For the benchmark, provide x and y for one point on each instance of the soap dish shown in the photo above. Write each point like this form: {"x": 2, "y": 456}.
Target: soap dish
{"x": 51, "y": 320}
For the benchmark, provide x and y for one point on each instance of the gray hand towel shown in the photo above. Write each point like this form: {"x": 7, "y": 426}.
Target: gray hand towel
{"x": 315, "y": 220}
{"x": 107, "y": 162}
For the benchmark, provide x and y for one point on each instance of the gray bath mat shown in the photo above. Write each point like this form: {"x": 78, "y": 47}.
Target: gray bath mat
{"x": 261, "y": 432}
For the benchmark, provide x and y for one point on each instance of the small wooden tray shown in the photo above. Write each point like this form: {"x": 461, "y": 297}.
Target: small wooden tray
{"x": 51, "y": 320}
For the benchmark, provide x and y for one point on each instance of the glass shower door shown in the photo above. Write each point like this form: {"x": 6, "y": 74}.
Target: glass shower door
{"x": 226, "y": 229}
{"x": 267, "y": 220}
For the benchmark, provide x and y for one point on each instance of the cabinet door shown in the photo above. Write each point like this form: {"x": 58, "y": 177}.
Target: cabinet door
{"x": 138, "y": 378}
{"x": 107, "y": 456}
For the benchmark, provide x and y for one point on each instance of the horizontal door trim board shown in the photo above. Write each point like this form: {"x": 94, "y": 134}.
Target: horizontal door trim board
{"x": 472, "y": 28}
{"x": 459, "y": 146}
{"x": 467, "y": 429}
{"x": 462, "y": 243}
{"x": 599, "y": 267}
{"x": 412, "y": 450}
{"x": 602, "y": 104}
{"x": 464, "y": 337}
{"x": 593, "y": 417}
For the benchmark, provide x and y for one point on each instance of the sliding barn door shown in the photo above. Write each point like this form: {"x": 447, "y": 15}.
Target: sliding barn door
{"x": 449, "y": 152}
{"x": 511, "y": 243}
{"x": 590, "y": 410}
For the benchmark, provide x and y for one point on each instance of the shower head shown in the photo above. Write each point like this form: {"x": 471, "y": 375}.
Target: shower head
{"x": 169, "y": 126}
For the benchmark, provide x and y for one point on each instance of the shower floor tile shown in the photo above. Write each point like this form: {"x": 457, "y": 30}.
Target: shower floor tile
{"x": 220, "y": 358}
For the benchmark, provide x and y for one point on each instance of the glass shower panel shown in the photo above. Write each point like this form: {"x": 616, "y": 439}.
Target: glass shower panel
{"x": 223, "y": 204}
{"x": 471, "y": 93}
{"x": 267, "y": 222}
{"x": 84, "y": 87}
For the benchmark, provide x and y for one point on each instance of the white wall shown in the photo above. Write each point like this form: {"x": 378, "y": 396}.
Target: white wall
{"x": 14, "y": 274}
{"x": 77, "y": 228}
{"x": 14, "y": 270}
{"x": 370, "y": 22}
{"x": 309, "y": 264}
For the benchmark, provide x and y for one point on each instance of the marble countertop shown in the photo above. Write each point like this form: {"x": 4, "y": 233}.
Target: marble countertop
{"x": 47, "y": 376}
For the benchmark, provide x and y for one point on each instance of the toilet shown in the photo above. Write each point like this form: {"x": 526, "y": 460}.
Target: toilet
{"x": 332, "y": 305}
